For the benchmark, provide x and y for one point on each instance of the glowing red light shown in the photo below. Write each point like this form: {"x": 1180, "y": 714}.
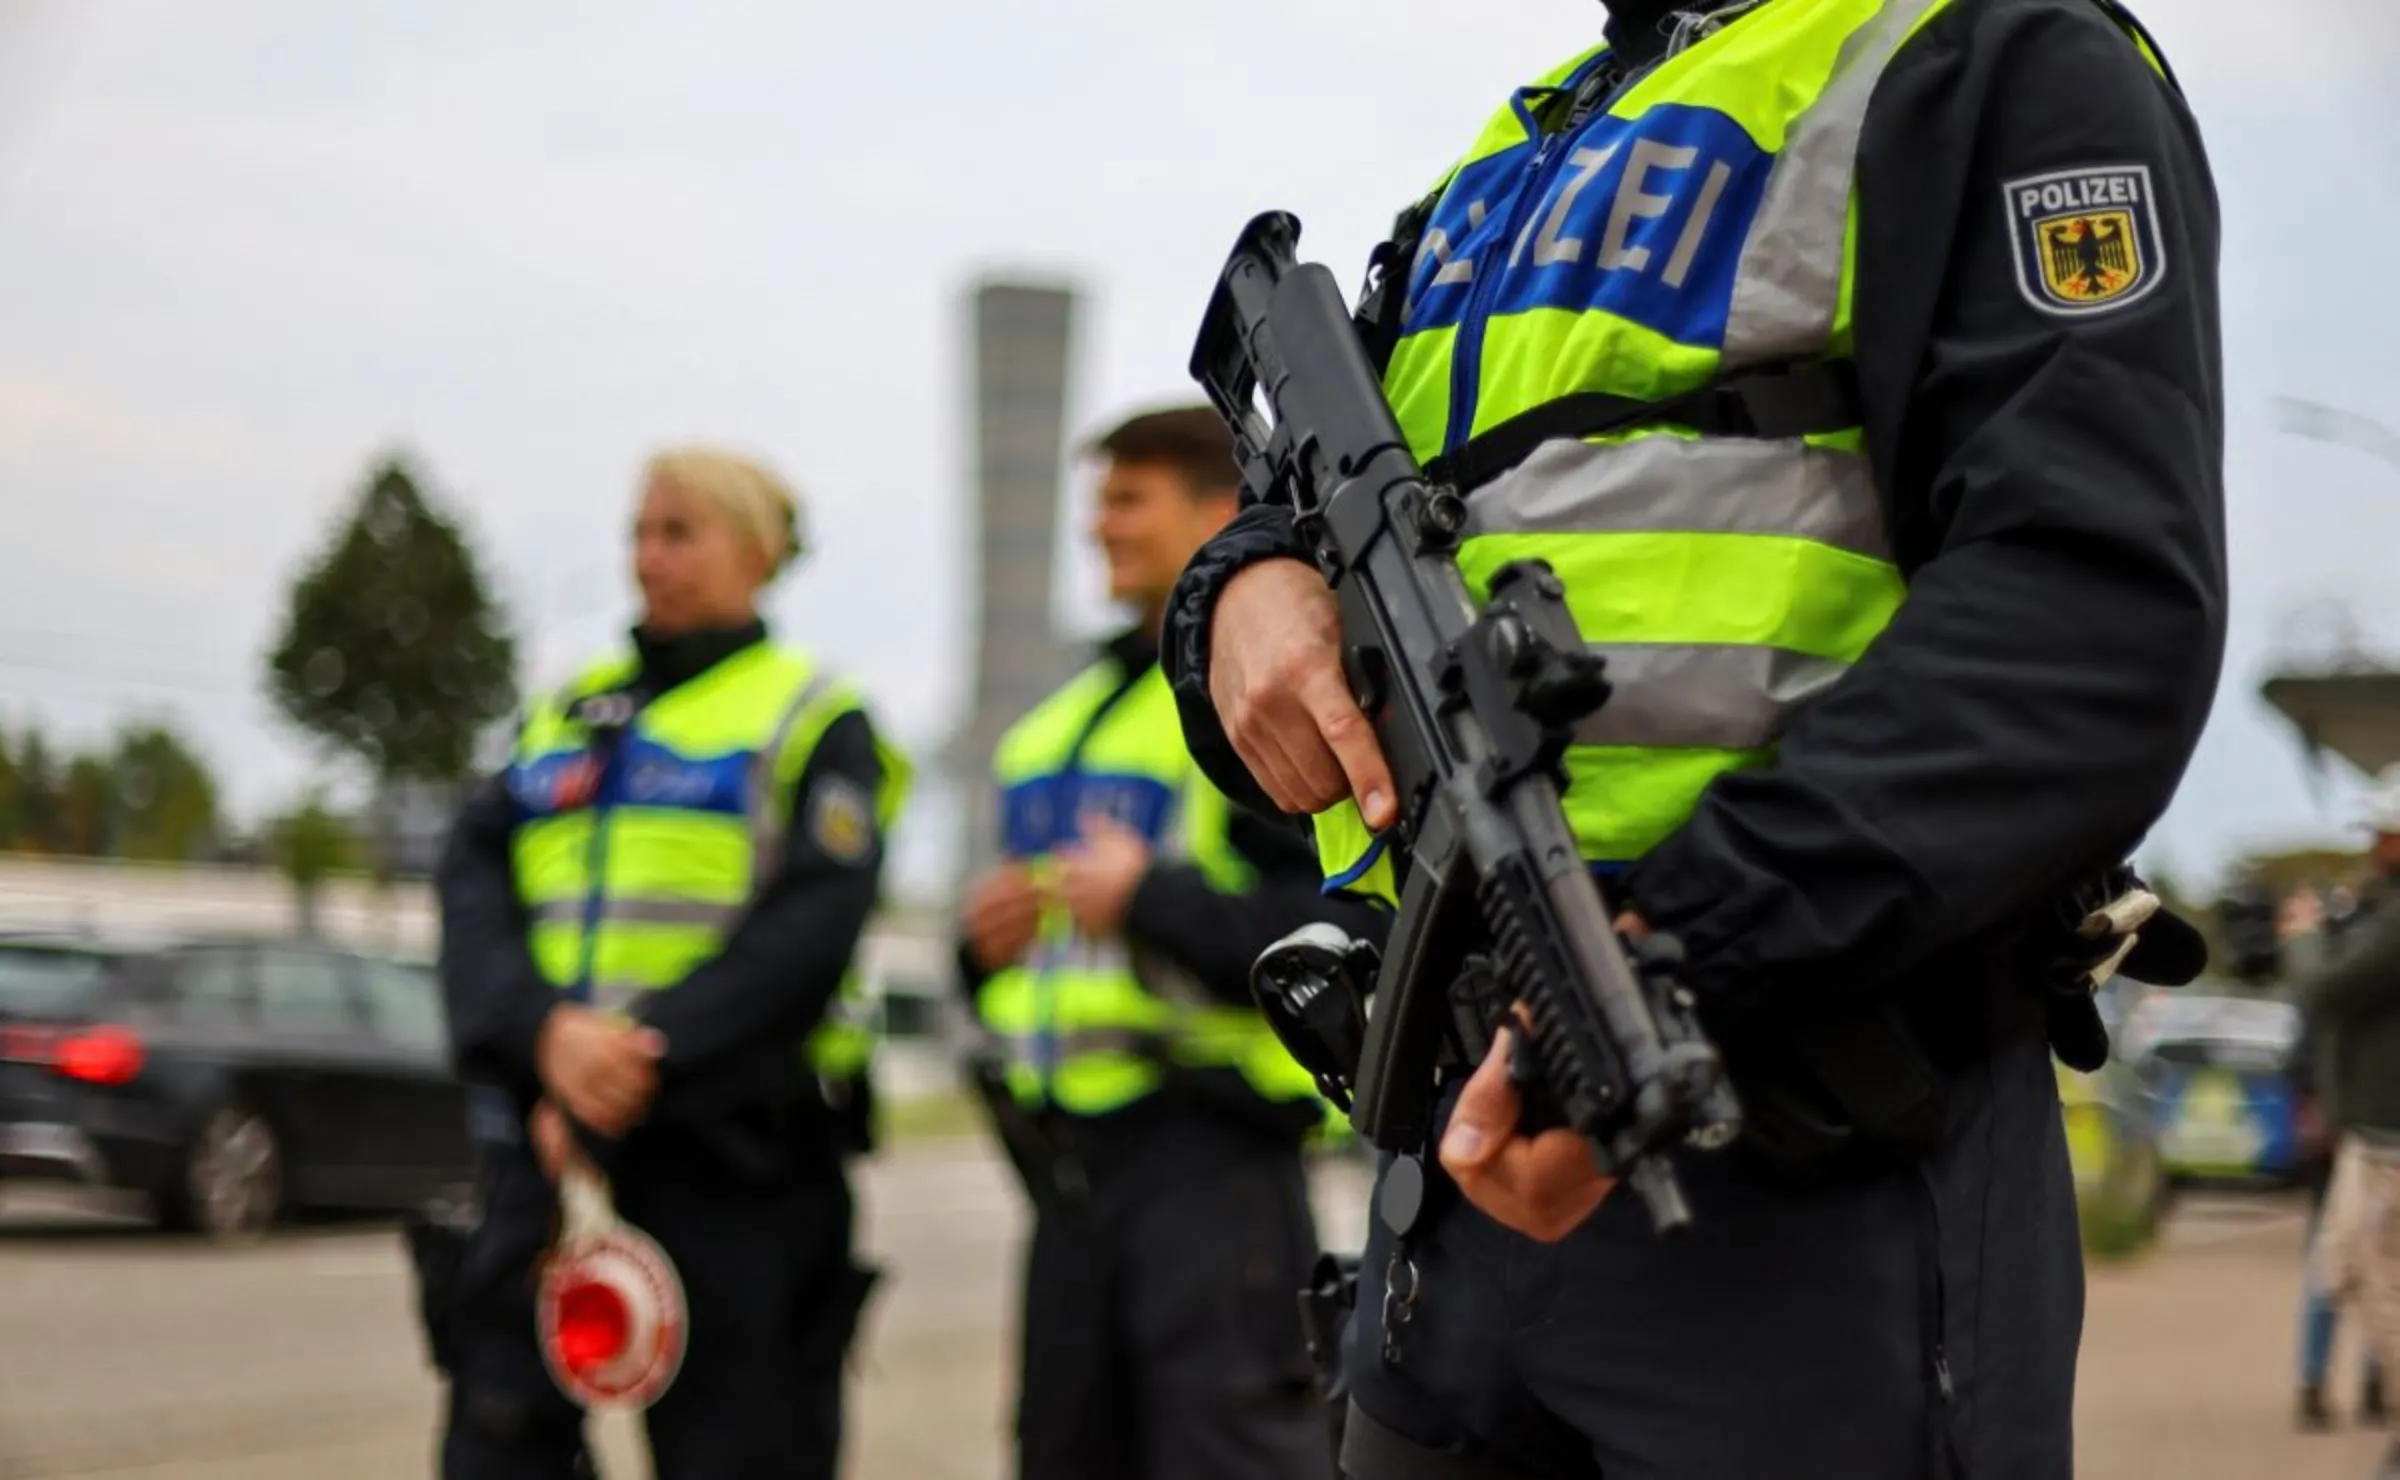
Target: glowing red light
{"x": 99, "y": 1056}
{"x": 593, "y": 1325}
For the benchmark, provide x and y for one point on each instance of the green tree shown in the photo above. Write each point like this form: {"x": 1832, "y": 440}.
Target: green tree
{"x": 393, "y": 650}
{"x": 12, "y": 797}
{"x": 37, "y": 796}
{"x": 312, "y": 843}
{"x": 166, "y": 800}
{"x": 86, "y": 798}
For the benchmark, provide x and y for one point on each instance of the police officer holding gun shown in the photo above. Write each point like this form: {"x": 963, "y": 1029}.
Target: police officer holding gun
{"x": 1908, "y": 572}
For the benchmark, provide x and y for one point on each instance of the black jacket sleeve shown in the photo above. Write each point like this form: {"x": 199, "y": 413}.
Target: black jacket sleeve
{"x": 1213, "y": 935}
{"x": 783, "y": 961}
{"x": 2055, "y": 483}
{"x": 495, "y": 998}
{"x": 2364, "y": 984}
{"x": 1258, "y": 532}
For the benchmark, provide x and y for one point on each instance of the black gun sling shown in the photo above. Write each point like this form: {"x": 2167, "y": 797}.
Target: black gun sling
{"x": 1769, "y": 404}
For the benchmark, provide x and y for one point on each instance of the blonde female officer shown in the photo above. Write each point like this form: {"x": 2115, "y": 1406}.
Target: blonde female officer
{"x": 648, "y": 923}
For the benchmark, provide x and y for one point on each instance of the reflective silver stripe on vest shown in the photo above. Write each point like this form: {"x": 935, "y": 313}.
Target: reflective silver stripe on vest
{"x": 768, "y": 817}
{"x": 640, "y": 912}
{"x": 1667, "y": 483}
{"x": 1671, "y": 695}
{"x": 1788, "y": 286}
{"x": 1027, "y": 1049}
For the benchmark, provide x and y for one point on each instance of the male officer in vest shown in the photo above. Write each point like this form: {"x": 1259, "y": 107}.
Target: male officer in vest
{"x": 1109, "y": 957}
{"x": 1898, "y": 662}
{"x": 647, "y": 929}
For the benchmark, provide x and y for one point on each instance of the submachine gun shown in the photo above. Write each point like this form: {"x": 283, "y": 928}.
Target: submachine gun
{"x": 1474, "y": 710}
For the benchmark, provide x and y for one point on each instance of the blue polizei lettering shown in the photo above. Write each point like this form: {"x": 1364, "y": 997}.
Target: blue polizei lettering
{"x": 1042, "y": 814}
{"x": 1471, "y": 214}
{"x": 1649, "y": 227}
{"x": 1642, "y": 218}
{"x": 643, "y": 774}
{"x": 533, "y": 784}
{"x": 1466, "y": 354}
{"x": 648, "y": 774}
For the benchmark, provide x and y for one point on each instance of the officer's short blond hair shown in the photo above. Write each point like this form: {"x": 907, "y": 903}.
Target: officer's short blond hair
{"x": 759, "y": 504}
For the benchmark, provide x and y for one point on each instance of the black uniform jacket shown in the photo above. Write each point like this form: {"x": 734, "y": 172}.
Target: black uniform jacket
{"x": 2054, "y": 483}
{"x": 733, "y": 1076}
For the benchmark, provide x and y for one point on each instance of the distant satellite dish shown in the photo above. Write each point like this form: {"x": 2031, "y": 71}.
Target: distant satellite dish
{"x": 2327, "y": 636}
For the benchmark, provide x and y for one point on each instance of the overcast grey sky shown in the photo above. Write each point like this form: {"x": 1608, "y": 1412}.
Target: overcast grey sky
{"x": 248, "y": 246}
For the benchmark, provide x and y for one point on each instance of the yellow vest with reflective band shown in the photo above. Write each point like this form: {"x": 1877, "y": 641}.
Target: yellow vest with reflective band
{"x": 1701, "y": 225}
{"x": 1087, "y": 1023}
{"x": 634, "y": 872}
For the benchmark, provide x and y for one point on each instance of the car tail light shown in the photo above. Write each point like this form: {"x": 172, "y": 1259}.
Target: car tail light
{"x": 23, "y": 1045}
{"x": 99, "y": 1055}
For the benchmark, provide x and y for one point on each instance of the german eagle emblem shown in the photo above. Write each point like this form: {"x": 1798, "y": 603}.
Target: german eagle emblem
{"x": 2086, "y": 241}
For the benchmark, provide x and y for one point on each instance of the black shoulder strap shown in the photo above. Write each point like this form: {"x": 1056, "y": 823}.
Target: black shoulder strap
{"x": 1385, "y": 301}
{"x": 1772, "y": 404}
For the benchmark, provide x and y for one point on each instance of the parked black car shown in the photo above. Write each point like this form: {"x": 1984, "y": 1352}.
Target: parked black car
{"x": 232, "y": 1081}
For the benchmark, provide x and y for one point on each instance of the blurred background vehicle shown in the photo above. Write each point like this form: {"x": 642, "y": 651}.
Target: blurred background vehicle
{"x": 232, "y": 1082}
{"x": 2218, "y": 1071}
{"x": 2122, "y": 1188}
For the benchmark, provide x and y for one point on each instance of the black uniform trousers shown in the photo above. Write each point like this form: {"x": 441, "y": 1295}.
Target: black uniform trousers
{"x": 1160, "y": 1331}
{"x": 774, "y": 1298}
{"x": 1791, "y": 1334}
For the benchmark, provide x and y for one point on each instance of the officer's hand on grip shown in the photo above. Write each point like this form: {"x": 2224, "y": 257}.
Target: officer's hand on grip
{"x": 1004, "y": 908}
{"x": 1543, "y": 1185}
{"x": 1275, "y": 675}
{"x": 1098, "y": 875}
{"x": 601, "y": 1069}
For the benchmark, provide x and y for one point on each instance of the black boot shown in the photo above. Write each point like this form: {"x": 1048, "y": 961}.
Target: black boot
{"x": 2310, "y": 1413}
{"x": 2370, "y": 1401}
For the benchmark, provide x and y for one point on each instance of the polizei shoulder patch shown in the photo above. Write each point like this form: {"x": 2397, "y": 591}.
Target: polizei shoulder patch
{"x": 841, "y": 819}
{"x": 2087, "y": 241}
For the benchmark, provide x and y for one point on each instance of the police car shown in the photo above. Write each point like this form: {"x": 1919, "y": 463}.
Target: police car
{"x": 2218, "y": 1072}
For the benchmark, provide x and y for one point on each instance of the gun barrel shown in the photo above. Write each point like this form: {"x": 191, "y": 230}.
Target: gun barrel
{"x": 1654, "y": 1181}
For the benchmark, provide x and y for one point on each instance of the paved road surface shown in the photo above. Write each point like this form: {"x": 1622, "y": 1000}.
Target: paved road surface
{"x": 126, "y": 1356}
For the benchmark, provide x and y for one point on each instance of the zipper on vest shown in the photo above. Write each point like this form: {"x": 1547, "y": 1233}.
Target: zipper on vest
{"x": 595, "y": 866}
{"x": 1466, "y": 355}
{"x": 1047, "y": 1059}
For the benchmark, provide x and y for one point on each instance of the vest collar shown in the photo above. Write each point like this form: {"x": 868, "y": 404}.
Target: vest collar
{"x": 1637, "y": 29}
{"x": 663, "y": 663}
{"x": 1640, "y": 31}
{"x": 1134, "y": 650}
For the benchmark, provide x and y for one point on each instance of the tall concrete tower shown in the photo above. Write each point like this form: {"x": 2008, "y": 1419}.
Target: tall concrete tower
{"x": 1022, "y": 335}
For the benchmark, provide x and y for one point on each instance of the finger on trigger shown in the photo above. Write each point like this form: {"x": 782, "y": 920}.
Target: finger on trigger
{"x": 1344, "y": 729}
